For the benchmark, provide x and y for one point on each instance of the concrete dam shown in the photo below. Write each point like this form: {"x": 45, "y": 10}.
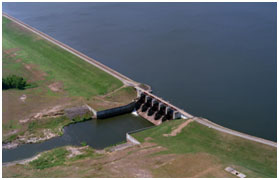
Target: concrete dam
{"x": 155, "y": 109}
{"x": 148, "y": 106}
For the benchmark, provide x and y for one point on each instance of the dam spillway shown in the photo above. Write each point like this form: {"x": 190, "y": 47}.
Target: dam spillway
{"x": 154, "y": 109}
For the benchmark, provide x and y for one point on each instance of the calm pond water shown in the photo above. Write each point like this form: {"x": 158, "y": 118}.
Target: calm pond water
{"x": 96, "y": 133}
{"x": 216, "y": 60}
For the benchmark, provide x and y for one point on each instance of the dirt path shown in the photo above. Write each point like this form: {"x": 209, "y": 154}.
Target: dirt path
{"x": 114, "y": 91}
{"x": 179, "y": 128}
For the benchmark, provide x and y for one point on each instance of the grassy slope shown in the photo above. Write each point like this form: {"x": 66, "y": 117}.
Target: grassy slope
{"x": 59, "y": 64}
{"x": 124, "y": 95}
{"x": 253, "y": 159}
{"x": 118, "y": 98}
{"x": 47, "y": 64}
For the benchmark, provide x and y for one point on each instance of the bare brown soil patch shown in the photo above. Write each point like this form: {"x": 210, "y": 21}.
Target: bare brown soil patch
{"x": 134, "y": 161}
{"x": 36, "y": 105}
{"x": 137, "y": 161}
{"x": 193, "y": 165}
{"x": 148, "y": 139}
{"x": 36, "y": 73}
{"x": 56, "y": 87}
{"x": 50, "y": 112}
{"x": 74, "y": 151}
{"x": 11, "y": 52}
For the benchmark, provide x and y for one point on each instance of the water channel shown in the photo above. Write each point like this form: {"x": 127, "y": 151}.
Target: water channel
{"x": 96, "y": 133}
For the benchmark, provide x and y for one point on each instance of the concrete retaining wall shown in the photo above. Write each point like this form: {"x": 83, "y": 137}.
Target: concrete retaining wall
{"x": 116, "y": 111}
{"x": 92, "y": 110}
{"x": 131, "y": 139}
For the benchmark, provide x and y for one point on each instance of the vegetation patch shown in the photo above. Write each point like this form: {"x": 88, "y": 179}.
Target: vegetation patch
{"x": 11, "y": 138}
{"x": 11, "y": 125}
{"x": 14, "y": 81}
{"x": 62, "y": 156}
{"x": 87, "y": 152}
{"x": 51, "y": 123}
{"x": 51, "y": 158}
{"x": 85, "y": 117}
{"x": 255, "y": 159}
{"x": 83, "y": 143}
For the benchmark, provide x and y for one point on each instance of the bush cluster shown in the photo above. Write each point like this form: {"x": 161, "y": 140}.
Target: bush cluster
{"x": 50, "y": 159}
{"x": 13, "y": 81}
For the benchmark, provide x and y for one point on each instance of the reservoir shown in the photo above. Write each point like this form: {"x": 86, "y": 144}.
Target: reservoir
{"x": 215, "y": 60}
{"x": 96, "y": 133}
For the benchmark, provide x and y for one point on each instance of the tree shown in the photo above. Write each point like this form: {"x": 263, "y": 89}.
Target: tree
{"x": 13, "y": 81}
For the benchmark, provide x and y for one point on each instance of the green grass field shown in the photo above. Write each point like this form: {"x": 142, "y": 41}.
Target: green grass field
{"x": 251, "y": 158}
{"x": 79, "y": 78}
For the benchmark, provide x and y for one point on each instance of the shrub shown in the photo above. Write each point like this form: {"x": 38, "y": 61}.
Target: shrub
{"x": 83, "y": 143}
{"x": 84, "y": 117}
{"x": 13, "y": 81}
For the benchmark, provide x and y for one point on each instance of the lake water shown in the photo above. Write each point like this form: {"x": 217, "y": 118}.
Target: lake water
{"x": 215, "y": 60}
{"x": 96, "y": 133}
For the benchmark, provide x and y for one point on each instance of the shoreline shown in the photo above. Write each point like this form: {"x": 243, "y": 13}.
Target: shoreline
{"x": 22, "y": 161}
{"x": 129, "y": 82}
{"x": 220, "y": 128}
